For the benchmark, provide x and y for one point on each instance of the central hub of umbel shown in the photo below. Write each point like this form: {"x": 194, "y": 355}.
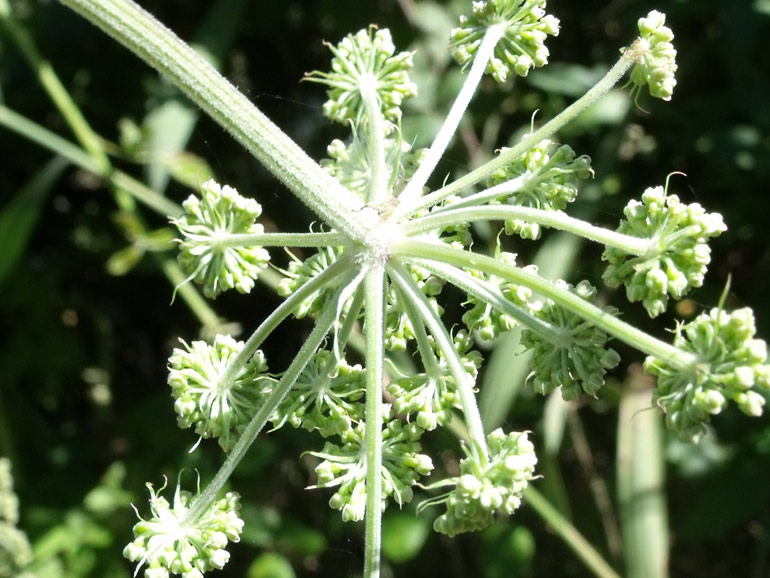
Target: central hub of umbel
{"x": 382, "y": 234}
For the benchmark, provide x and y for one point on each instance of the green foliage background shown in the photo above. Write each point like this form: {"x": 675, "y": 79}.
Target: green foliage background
{"x": 85, "y": 414}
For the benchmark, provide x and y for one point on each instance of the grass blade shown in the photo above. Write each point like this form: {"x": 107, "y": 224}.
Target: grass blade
{"x": 640, "y": 477}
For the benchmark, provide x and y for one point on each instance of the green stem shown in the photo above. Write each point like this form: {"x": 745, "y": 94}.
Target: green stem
{"x": 378, "y": 190}
{"x": 498, "y": 191}
{"x": 55, "y": 89}
{"x": 77, "y": 156}
{"x": 429, "y": 361}
{"x": 374, "y": 288}
{"x": 86, "y": 136}
{"x": 411, "y": 248}
{"x": 139, "y": 31}
{"x": 351, "y": 317}
{"x": 567, "y": 115}
{"x": 640, "y": 481}
{"x": 195, "y": 301}
{"x": 569, "y": 534}
{"x": 413, "y": 190}
{"x": 281, "y": 312}
{"x": 464, "y": 385}
{"x": 554, "y": 219}
{"x": 118, "y": 180}
{"x": 250, "y": 433}
{"x": 282, "y": 240}
{"x": 490, "y": 295}
{"x": 344, "y": 332}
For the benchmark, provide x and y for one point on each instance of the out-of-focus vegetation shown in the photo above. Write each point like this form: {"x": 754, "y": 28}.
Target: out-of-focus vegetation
{"x": 86, "y": 280}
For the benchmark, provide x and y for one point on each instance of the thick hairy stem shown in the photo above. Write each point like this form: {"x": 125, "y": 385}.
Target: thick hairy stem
{"x": 374, "y": 290}
{"x": 140, "y": 32}
{"x": 282, "y": 240}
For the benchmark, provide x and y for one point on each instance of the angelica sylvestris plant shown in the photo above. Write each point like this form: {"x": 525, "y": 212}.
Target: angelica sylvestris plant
{"x": 389, "y": 242}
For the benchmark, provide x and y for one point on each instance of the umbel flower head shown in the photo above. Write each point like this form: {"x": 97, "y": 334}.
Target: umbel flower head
{"x": 171, "y": 542}
{"x": 205, "y": 254}
{"x": 655, "y": 57}
{"x": 487, "y": 484}
{"x": 325, "y": 397}
{"x": 301, "y": 272}
{"x": 218, "y": 404}
{"x": 573, "y": 354}
{"x": 363, "y": 59}
{"x": 522, "y": 44}
{"x": 345, "y": 467}
{"x": 729, "y": 364}
{"x": 545, "y": 177}
{"x": 349, "y": 163}
{"x": 678, "y": 253}
{"x": 429, "y": 397}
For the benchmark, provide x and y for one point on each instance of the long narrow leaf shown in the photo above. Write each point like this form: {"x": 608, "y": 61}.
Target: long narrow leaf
{"x": 19, "y": 217}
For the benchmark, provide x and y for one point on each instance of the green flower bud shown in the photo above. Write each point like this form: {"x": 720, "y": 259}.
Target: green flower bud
{"x": 486, "y": 321}
{"x": 217, "y": 408}
{"x": 430, "y": 397}
{"x": 677, "y": 256}
{"x": 172, "y": 543}
{"x": 574, "y": 359}
{"x": 300, "y": 272}
{"x": 522, "y": 44}
{"x": 730, "y": 364}
{"x": 487, "y": 484}
{"x": 398, "y": 326}
{"x": 350, "y": 164}
{"x": 655, "y": 57}
{"x": 365, "y": 58}
{"x": 546, "y": 177}
{"x": 345, "y": 467}
{"x": 206, "y": 225}
{"x": 325, "y": 397}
